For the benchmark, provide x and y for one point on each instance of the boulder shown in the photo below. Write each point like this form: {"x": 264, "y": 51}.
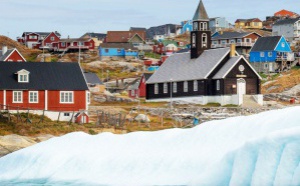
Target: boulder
{"x": 142, "y": 118}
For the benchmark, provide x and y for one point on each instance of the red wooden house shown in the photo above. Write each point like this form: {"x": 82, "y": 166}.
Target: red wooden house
{"x": 58, "y": 88}
{"x": 138, "y": 88}
{"x": 11, "y": 55}
{"x": 39, "y": 40}
{"x": 73, "y": 44}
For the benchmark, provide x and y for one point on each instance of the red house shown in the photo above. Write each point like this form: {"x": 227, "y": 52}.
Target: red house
{"x": 73, "y": 44}
{"x": 57, "y": 88}
{"x": 138, "y": 89}
{"x": 11, "y": 55}
{"x": 39, "y": 40}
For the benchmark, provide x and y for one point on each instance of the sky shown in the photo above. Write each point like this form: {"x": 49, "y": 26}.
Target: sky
{"x": 75, "y": 17}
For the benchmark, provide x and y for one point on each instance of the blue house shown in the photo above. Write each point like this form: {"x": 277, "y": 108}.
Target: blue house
{"x": 271, "y": 54}
{"x": 117, "y": 50}
{"x": 187, "y": 26}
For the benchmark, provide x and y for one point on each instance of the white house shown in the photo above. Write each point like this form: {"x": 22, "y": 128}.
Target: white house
{"x": 289, "y": 28}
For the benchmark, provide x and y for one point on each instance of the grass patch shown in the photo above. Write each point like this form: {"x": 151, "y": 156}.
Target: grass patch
{"x": 213, "y": 105}
{"x": 152, "y": 55}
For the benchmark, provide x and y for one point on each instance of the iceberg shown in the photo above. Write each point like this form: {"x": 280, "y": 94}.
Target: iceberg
{"x": 262, "y": 149}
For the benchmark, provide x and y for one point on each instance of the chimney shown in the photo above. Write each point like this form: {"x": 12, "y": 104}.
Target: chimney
{"x": 4, "y": 50}
{"x": 232, "y": 50}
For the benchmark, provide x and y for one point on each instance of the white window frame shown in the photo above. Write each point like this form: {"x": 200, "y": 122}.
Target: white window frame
{"x": 37, "y": 96}
{"x": 282, "y": 44}
{"x": 204, "y": 39}
{"x": 195, "y": 85}
{"x": 80, "y": 43}
{"x": 18, "y": 96}
{"x": 66, "y": 114}
{"x": 270, "y": 54}
{"x": 174, "y": 87}
{"x": 195, "y": 27}
{"x": 218, "y": 86}
{"x": 132, "y": 92}
{"x": 223, "y": 41}
{"x": 65, "y": 94}
{"x": 232, "y": 41}
{"x": 185, "y": 86}
{"x": 204, "y": 26}
{"x": 262, "y": 54}
{"x": 63, "y": 44}
{"x": 239, "y": 40}
{"x": 156, "y": 88}
{"x": 23, "y": 78}
{"x": 248, "y": 40}
{"x": 193, "y": 40}
{"x": 165, "y": 88}
{"x": 52, "y": 38}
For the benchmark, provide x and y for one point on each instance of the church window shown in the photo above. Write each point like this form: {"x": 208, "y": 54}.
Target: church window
{"x": 204, "y": 40}
{"x": 194, "y": 40}
{"x": 195, "y": 26}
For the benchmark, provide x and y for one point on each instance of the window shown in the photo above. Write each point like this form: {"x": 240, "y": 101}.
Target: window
{"x": 215, "y": 42}
{"x": 32, "y": 37}
{"x": 248, "y": 40}
{"x": 17, "y": 97}
{"x": 185, "y": 86}
{"x": 262, "y": 54}
{"x": 174, "y": 87}
{"x": 66, "y": 97}
{"x": 194, "y": 40}
{"x": 204, "y": 40}
{"x": 165, "y": 88}
{"x": 223, "y": 41}
{"x": 239, "y": 40}
{"x": 204, "y": 26}
{"x": 63, "y": 44}
{"x": 33, "y": 97}
{"x": 195, "y": 85}
{"x": 282, "y": 44}
{"x": 132, "y": 92}
{"x": 119, "y": 50}
{"x": 201, "y": 26}
{"x": 91, "y": 44}
{"x": 23, "y": 78}
{"x": 66, "y": 114}
{"x": 218, "y": 85}
{"x": 232, "y": 41}
{"x": 106, "y": 50}
{"x": 52, "y": 38}
{"x": 80, "y": 43}
{"x": 266, "y": 65}
{"x": 156, "y": 88}
{"x": 270, "y": 54}
{"x": 88, "y": 97}
{"x": 195, "y": 26}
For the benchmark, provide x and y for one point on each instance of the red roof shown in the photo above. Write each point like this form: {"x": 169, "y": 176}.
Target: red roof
{"x": 123, "y": 36}
{"x": 285, "y": 13}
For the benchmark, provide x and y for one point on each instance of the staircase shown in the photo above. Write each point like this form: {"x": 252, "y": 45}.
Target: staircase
{"x": 249, "y": 102}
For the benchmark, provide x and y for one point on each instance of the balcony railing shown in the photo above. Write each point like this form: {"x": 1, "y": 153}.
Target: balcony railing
{"x": 246, "y": 44}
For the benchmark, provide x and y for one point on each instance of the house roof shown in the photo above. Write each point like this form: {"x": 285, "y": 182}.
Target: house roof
{"x": 284, "y": 12}
{"x": 123, "y": 36}
{"x": 43, "y": 76}
{"x": 228, "y": 65}
{"x": 248, "y": 20}
{"x": 200, "y": 13}
{"x": 95, "y": 35}
{"x": 43, "y": 33}
{"x": 180, "y": 67}
{"x": 75, "y": 39}
{"x": 167, "y": 42}
{"x": 229, "y": 35}
{"x": 92, "y": 78}
{"x": 3, "y": 57}
{"x": 137, "y": 29}
{"x": 266, "y": 44}
{"x": 147, "y": 75}
{"x": 126, "y": 46}
{"x": 135, "y": 84}
{"x": 286, "y": 21}
{"x": 183, "y": 50}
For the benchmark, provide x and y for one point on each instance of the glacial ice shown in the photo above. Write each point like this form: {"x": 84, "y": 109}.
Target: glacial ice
{"x": 262, "y": 149}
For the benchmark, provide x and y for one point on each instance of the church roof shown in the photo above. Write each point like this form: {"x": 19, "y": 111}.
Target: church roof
{"x": 200, "y": 13}
{"x": 180, "y": 67}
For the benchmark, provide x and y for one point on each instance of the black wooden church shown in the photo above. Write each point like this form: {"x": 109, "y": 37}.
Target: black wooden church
{"x": 204, "y": 75}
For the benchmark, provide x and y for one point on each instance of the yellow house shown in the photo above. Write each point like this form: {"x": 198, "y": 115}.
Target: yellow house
{"x": 253, "y": 23}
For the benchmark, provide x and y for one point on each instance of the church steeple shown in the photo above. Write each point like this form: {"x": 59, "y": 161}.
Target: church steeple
{"x": 201, "y": 35}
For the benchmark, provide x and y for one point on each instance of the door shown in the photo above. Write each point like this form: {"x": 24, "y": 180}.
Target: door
{"x": 83, "y": 119}
{"x": 270, "y": 67}
{"x": 241, "y": 87}
{"x": 241, "y": 90}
